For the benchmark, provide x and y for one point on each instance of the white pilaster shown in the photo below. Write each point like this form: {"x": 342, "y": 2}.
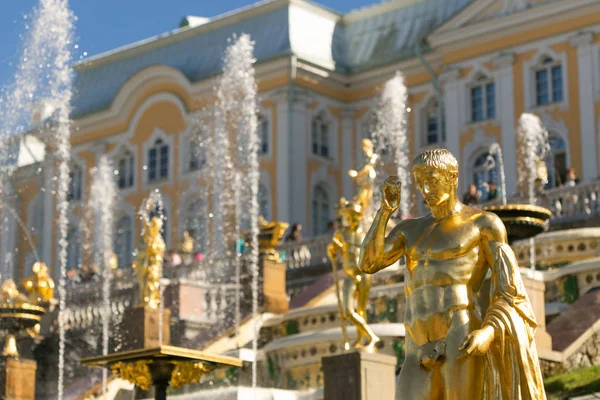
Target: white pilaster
{"x": 8, "y": 234}
{"x": 347, "y": 153}
{"x": 282, "y": 153}
{"x": 452, "y": 113}
{"x": 585, "y": 78}
{"x": 504, "y": 76}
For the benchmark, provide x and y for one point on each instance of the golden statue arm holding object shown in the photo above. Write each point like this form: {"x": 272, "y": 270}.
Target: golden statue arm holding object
{"x": 356, "y": 286}
{"x": 452, "y": 351}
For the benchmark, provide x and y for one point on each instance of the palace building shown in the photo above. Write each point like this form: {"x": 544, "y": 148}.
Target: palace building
{"x": 471, "y": 68}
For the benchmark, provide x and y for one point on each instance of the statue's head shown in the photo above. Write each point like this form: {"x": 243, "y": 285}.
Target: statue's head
{"x": 39, "y": 269}
{"x": 367, "y": 147}
{"x": 351, "y": 212}
{"x": 436, "y": 175}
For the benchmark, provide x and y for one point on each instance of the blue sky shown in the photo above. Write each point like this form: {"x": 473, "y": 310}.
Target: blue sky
{"x": 106, "y": 24}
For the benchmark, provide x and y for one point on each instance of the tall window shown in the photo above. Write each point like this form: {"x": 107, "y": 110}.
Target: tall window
{"x": 556, "y": 161}
{"x": 75, "y": 183}
{"x": 483, "y": 100}
{"x": 124, "y": 241}
{"x": 73, "y": 248}
{"x": 158, "y": 161}
{"x": 548, "y": 82}
{"x": 320, "y": 135}
{"x": 484, "y": 171}
{"x": 126, "y": 169}
{"x": 197, "y": 155}
{"x": 435, "y": 129}
{"x": 263, "y": 201}
{"x": 195, "y": 224}
{"x": 263, "y": 133}
{"x": 320, "y": 210}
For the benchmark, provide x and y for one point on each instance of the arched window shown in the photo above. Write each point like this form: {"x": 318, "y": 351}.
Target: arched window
{"x": 556, "y": 161}
{"x": 483, "y": 99}
{"x": 196, "y": 224}
{"x": 484, "y": 171}
{"x": 158, "y": 161}
{"x": 263, "y": 201}
{"x": 125, "y": 169}
{"x": 263, "y": 134}
{"x": 435, "y": 129}
{"x": 197, "y": 154}
{"x": 320, "y": 135}
{"x": 320, "y": 210}
{"x": 124, "y": 241}
{"x": 74, "y": 249}
{"x": 548, "y": 82}
{"x": 75, "y": 183}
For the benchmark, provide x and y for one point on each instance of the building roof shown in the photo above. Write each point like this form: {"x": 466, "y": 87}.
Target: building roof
{"x": 347, "y": 43}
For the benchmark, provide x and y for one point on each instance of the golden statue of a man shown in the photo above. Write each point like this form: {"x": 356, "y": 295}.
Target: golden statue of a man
{"x": 365, "y": 178}
{"x": 452, "y": 350}
{"x": 149, "y": 267}
{"x": 346, "y": 241}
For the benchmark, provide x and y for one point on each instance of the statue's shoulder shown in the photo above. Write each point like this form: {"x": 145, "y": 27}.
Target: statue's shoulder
{"x": 491, "y": 226}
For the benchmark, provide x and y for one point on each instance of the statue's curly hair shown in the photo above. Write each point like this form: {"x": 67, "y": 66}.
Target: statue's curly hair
{"x": 440, "y": 159}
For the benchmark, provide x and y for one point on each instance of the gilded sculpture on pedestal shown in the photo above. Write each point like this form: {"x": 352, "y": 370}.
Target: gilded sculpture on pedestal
{"x": 356, "y": 286}
{"x": 365, "y": 177}
{"x": 148, "y": 266}
{"x": 39, "y": 285}
{"x": 269, "y": 237}
{"x": 452, "y": 351}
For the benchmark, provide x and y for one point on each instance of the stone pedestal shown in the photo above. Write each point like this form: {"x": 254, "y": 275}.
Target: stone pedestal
{"x": 535, "y": 291}
{"x": 359, "y": 376}
{"x": 17, "y": 378}
{"x": 141, "y": 328}
{"x": 275, "y": 297}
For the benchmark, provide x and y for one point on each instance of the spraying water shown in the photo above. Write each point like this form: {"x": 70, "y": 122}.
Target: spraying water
{"x": 43, "y": 75}
{"x": 495, "y": 149}
{"x": 532, "y": 147}
{"x": 390, "y": 131}
{"x": 236, "y": 108}
{"x": 102, "y": 201}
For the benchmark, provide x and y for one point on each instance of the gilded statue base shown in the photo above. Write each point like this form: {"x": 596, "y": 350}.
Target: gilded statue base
{"x": 161, "y": 367}
{"x": 275, "y": 298}
{"x": 141, "y": 327}
{"x": 17, "y": 378}
{"x": 359, "y": 375}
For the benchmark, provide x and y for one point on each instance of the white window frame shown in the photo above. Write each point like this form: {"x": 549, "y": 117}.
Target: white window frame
{"x": 440, "y": 131}
{"x": 482, "y": 82}
{"x": 547, "y": 63}
{"x": 80, "y": 182}
{"x": 314, "y": 210}
{"x": 148, "y": 144}
{"x": 317, "y": 137}
{"x": 125, "y": 153}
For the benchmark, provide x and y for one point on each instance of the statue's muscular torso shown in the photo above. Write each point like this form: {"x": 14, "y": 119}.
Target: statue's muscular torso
{"x": 445, "y": 267}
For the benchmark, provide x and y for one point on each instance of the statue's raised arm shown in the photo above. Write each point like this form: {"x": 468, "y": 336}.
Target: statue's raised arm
{"x": 379, "y": 251}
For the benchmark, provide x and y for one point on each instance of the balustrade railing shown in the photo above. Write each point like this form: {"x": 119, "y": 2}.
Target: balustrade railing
{"x": 307, "y": 253}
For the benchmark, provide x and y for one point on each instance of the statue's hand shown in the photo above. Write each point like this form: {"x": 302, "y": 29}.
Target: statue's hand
{"x": 353, "y": 173}
{"x": 477, "y": 342}
{"x": 390, "y": 193}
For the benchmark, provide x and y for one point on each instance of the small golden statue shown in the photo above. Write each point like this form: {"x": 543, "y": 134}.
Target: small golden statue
{"x": 269, "y": 237}
{"x": 365, "y": 178}
{"x": 187, "y": 243}
{"x": 148, "y": 266}
{"x": 452, "y": 350}
{"x": 39, "y": 285}
{"x": 346, "y": 241}
{"x": 10, "y": 295}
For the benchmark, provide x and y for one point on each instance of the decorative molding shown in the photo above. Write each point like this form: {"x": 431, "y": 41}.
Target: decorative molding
{"x": 582, "y": 39}
{"x": 504, "y": 60}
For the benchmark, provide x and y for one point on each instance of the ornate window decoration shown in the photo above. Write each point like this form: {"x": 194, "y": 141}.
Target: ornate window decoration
{"x": 483, "y": 99}
{"x": 125, "y": 169}
{"x": 320, "y": 135}
{"x": 158, "y": 161}
{"x": 435, "y": 127}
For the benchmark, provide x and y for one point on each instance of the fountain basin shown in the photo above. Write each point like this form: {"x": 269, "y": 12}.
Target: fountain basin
{"x": 161, "y": 366}
{"x": 18, "y": 318}
{"x": 522, "y": 221}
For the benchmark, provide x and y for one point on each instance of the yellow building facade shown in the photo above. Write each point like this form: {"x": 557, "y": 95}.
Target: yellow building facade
{"x": 471, "y": 67}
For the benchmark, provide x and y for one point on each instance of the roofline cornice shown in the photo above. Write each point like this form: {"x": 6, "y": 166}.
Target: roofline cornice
{"x": 176, "y": 35}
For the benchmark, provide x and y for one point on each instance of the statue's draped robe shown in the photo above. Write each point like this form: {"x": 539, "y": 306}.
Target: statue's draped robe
{"x": 512, "y": 367}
